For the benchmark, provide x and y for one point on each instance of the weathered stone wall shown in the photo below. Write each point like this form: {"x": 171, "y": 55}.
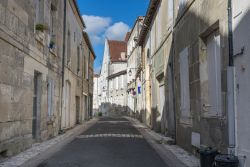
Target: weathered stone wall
{"x": 197, "y": 18}
{"x": 23, "y": 50}
{"x": 73, "y": 69}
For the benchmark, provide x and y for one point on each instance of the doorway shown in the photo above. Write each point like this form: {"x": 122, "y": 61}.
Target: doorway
{"x": 68, "y": 103}
{"x": 78, "y": 119}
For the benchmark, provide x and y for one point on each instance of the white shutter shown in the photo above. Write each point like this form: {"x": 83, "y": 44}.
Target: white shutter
{"x": 51, "y": 93}
{"x": 214, "y": 75}
{"x": 170, "y": 11}
{"x": 184, "y": 81}
{"x": 117, "y": 83}
{"x": 111, "y": 84}
{"x": 122, "y": 81}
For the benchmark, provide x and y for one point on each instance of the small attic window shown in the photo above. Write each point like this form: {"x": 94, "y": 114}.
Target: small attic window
{"x": 123, "y": 55}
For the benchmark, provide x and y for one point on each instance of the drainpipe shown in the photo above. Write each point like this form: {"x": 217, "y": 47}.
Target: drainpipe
{"x": 89, "y": 100}
{"x": 63, "y": 57}
{"x": 173, "y": 88}
{"x": 172, "y": 75}
{"x": 231, "y": 91}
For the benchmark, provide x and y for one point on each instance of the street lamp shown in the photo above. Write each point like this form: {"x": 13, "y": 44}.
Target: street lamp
{"x": 130, "y": 71}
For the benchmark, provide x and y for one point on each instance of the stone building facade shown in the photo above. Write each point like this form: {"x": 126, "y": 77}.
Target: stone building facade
{"x": 241, "y": 80}
{"x": 200, "y": 70}
{"x": 96, "y": 99}
{"x": 113, "y": 79}
{"x": 32, "y": 59}
{"x": 134, "y": 52}
{"x": 72, "y": 67}
{"x": 186, "y": 71}
{"x": 117, "y": 77}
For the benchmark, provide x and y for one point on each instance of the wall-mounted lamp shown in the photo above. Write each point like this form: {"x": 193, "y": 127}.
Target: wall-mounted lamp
{"x": 130, "y": 71}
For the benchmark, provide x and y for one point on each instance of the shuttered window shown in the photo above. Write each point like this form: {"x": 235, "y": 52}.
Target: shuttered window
{"x": 122, "y": 81}
{"x": 51, "y": 93}
{"x": 117, "y": 83}
{"x": 214, "y": 75}
{"x": 184, "y": 83}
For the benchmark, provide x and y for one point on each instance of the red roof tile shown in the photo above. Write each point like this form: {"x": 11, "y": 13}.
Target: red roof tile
{"x": 115, "y": 50}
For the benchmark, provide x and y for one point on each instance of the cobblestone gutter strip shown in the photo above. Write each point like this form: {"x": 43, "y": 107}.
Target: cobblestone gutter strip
{"x": 173, "y": 155}
{"x": 41, "y": 151}
{"x": 110, "y": 135}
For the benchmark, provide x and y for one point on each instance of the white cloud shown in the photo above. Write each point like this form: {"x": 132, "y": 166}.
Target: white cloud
{"x": 96, "y": 24}
{"x": 117, "y": 31}
{"x": 100, "y": 28}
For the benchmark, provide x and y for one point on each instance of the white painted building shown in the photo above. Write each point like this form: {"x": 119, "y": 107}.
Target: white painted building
{"x": 117, "y": 79}
{"x": 112, "y": 80}
{"x": 103, "y": 82}
{"x": 241, "y": 42}
{"x": 96, "y": 93}
{"x": 134, "y": 54}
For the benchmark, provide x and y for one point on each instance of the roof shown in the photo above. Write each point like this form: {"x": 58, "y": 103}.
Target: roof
{"x": 127, "y": 36}
{"x": 115, "y": 50}
{"x": 151, "y": 11}
{"x": 86, "y": 37}
{"x": 96, "y": 75}
{"x": 78, "y": 12}
{"x": 139, "y": 19}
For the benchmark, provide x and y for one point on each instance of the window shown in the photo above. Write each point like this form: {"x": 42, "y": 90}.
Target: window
{"x": 158, "y": 27}
{"x": 122, "y": 81}
{"x": 184, "y": 83}
{"x": 83, "y": 66}
{"x": 170, "y": 11}
{"x": 78, "y": 60}
{"x": 68, "y": 48}
{"x": 214, "y": 75}
{"x": 182, "y": 4}
{"x": 51, "y": 93}
{"x": 111, "y": 84}
{"x": 39, "y": 11}
{"x": 117, "y": 83}
{"x": 52, "y": 20}
{"x": 87, "y": 66}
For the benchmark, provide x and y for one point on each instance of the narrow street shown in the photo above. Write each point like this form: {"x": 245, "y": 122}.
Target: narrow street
{"x": 110, "y": 142}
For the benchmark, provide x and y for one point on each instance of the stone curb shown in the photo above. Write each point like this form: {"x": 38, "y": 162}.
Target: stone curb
{"x": 40, "y": 151}
{"x": 173, "y": 155}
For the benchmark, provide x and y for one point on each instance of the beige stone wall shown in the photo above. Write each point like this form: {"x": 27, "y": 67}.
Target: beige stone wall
{"x": 23, "y": 50}
{"x": 195, "y": 21}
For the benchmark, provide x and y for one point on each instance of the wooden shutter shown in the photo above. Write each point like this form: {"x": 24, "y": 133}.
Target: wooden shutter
{"x": 184, "y": 82}
{"x": 214, "y": 75}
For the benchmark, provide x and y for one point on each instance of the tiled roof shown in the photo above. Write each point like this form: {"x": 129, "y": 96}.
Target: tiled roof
{"x": 115, "y": 50}
{"x": 151, "y": 11}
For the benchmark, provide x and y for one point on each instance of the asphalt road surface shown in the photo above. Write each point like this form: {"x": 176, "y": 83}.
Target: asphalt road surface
{"x": 111, "y": 142}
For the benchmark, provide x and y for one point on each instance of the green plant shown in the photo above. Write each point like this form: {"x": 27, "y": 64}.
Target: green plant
{"x": 99, "y": 114}
{"x": 41, "y": 27}
{"x": 52, "y": 44}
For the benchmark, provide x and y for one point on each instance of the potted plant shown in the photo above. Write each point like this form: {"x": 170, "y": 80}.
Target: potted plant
{"x": 52, "y": 44}
{"x": 41, "y": 27}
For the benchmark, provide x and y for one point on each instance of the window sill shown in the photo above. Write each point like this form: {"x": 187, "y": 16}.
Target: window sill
{"x": 53, "y": 52}
{"x": 40, "y": 37}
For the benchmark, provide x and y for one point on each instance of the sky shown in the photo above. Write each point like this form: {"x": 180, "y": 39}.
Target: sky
{"x": 110, "y": 19}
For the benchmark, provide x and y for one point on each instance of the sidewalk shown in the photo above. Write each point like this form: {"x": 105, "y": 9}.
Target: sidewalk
{"x": 173, "y": 155}
{"x": 40, "y": 151}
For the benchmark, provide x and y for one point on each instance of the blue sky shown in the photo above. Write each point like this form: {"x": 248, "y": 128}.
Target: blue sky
{"x": 109, "y": 19}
